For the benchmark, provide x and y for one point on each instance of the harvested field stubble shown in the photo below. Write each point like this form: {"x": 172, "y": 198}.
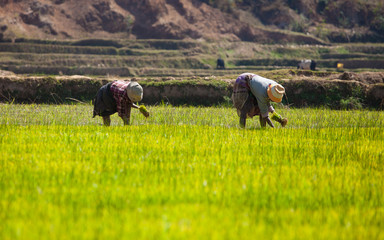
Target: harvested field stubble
{"x": 190, "y": 173}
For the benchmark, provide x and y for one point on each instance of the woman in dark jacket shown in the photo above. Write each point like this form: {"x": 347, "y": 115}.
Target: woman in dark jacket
{"x": 118, "y": 96}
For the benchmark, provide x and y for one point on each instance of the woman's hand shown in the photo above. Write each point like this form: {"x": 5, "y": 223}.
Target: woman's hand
{"x": 264, "y": 121}
{"x": 270, "y": 123}
{"x": 144, "y": 111}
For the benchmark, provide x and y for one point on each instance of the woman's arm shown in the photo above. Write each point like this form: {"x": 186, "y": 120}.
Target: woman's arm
{"x": 265, "y": 120}
{"x": 135, "y": 106}
{"x": 270, "y": 123}
{"x": 142, "y": 109}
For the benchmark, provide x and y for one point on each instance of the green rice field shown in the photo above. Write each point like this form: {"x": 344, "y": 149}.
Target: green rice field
{"x": 190, "y": 173}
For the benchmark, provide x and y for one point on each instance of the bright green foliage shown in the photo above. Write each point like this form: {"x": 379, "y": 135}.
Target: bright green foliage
{"x": 143, "y": 109}
{"x": 190, "y": 173}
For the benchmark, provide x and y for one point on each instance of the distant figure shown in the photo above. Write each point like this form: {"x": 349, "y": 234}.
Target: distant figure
{"x": 313, "y": 65}
{"x": 220, "y": 64}
{"x": 340, "y": 66}
{"x": 307, "y": 64}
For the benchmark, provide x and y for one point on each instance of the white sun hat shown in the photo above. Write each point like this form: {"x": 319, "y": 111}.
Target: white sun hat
{"x": 135, "y": 92}
{"x": 275, "y": 92}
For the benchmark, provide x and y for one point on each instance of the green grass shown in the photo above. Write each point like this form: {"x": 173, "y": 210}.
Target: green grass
{"x": 190, "y": 173}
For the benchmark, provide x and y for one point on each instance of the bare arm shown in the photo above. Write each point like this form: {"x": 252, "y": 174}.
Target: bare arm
{"x": 264, "y": 121}
{"x": 142, "y": 109}
{"x": 270, "y": 123}
{"x": 135, "y": 106}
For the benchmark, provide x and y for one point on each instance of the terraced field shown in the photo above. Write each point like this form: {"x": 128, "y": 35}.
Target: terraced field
{"x": 176, "y": 58}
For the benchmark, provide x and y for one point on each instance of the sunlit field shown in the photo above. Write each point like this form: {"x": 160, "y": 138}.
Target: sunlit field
{"x": 190, "y": 173}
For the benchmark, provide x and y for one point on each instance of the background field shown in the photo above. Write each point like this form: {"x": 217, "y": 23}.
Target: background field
{"x": 190, "y": 172}
{"x": 97, "y": 57}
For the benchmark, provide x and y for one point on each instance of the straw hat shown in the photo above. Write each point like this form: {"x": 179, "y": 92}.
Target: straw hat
{"x": 134, "y": 92}
{"x": 275, "y": 92}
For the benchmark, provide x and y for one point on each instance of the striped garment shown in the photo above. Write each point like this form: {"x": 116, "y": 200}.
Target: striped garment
{"x": 119, "y": 92}
{"x": 241, "y": 91}
{"x": 241, "y": 85}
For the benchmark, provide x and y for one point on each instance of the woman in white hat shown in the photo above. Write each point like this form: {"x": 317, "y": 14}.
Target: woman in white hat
{"x": 118, "y": 96}
{"x": 261, "y": 92}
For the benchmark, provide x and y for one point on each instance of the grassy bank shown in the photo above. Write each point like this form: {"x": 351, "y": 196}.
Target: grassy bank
{"x": 303, "y": 88}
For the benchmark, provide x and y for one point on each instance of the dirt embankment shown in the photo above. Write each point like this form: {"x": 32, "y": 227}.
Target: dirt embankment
{"x": 258, "y": 21}
{"x": 154, "y": 19}
{"x": 304, "y": 88}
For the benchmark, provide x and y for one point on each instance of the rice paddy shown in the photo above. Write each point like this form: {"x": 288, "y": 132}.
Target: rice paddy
{"x": 190, "y": 173}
